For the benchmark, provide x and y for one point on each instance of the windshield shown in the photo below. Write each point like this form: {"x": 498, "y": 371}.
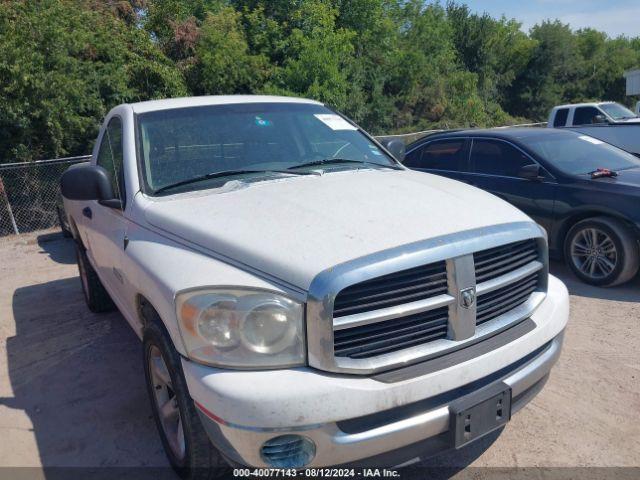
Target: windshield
{"x": 178, "y": 145}
{"x": 579, "y": 154}
{"x": 617, "y": 111}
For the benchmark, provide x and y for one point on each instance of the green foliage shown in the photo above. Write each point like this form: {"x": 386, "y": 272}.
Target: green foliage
{"x": 392, "y": 65}
{"x": 223, "y": 63}
{"x": 317, "y": 56}
{"x": 496, "y": 50}
{"x": 62, "y": 67}
{"x": 566, "y": 66}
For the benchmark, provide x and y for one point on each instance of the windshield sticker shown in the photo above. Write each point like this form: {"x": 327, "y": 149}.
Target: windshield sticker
{"x": 589, "y": 139}
{"x": 261, "y": 122}
{"x": 374, "y": 150}
{"x": 334, "y": 122}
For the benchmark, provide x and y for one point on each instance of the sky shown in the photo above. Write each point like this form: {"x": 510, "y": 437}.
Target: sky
{"x": 615, "y": 17}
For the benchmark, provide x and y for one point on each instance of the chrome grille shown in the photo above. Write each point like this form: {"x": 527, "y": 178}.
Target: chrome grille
{"x": 383, "y": 337}
{"x": 497, "y": 261}
{"x": 418, "y": 306}
{"x": 502, "y": 300}
{"x": 348, "y": 331}
{"x": 391, "y": 290}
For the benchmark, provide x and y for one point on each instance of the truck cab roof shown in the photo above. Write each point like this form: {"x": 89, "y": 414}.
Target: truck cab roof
{"x": 583, "y": 104}
{"x": 208, "y": 100}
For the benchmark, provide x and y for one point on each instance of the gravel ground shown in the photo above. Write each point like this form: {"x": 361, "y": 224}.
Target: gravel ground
{"x": 72, "y": 391}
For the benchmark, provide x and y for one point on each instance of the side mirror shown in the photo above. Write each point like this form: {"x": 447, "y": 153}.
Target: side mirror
{"x": 531, "y": 172}
{"x": 600, "y": 119}
{"x": 396, "y": 147}
{"x": 88, "y": 182}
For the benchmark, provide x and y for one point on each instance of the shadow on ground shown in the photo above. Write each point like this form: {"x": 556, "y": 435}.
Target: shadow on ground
{"x": 78, "y": 376}
{"x": 629, "y": 292}
{"x": 58, "y": 247}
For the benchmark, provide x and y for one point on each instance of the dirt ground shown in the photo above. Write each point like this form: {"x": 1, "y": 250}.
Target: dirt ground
{"x": 72, "y": 391}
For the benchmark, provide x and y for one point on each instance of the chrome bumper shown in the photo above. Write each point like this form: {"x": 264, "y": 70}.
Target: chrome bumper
{"x": 335, "y": 446}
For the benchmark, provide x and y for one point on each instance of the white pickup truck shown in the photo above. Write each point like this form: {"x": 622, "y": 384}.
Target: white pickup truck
{"x": 607, "y": 121}
{"x": 594, "y": 113}
{"x": 303, "y": 299}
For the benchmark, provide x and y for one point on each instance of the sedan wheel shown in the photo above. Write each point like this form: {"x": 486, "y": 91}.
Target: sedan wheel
{"x": 594, "y": 253}
{"x": 602, "y": 251}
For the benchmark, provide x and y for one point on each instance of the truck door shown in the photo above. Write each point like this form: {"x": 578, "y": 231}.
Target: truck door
{"x": 106, "y": 225}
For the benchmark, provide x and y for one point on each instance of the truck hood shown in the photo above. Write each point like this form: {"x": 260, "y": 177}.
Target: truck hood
{"x": 292, "y": 228}
{"x": 628, "y": 120}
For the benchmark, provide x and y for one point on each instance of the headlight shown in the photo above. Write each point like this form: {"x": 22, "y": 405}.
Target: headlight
{"x": 241, "y": 328}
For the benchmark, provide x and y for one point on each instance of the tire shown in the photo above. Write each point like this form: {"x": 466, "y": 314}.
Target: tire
{"x": 602, "y": 251}
{"x": 61, "y": 221}
{"x": 96, "y": 296}
{"x": 195, "y": 457}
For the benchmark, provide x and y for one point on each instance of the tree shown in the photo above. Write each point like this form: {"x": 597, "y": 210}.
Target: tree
{"x": 392, "y": 65}
{"x": 223, "y": 63}
{"x": 317, "y": 56}
{"x": 495, "y": 49}
{"x": 551, "y": 74}
{"x": 62, "y": 67}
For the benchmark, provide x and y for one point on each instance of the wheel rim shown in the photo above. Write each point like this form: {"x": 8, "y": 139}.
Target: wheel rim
{"x": 166, "y": 403}
{"x": 594, "y": 253}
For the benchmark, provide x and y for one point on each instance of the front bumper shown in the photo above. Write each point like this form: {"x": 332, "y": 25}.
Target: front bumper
{"x": 355, "y": 419}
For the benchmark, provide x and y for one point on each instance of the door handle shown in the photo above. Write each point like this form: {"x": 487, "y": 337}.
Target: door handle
{"x": 86, "y": 211}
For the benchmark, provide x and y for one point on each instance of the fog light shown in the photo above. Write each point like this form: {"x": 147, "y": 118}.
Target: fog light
{"x": 288, "y": 451}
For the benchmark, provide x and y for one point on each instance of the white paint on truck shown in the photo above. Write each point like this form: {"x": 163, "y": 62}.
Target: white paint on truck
{"x": 298, "y": 242}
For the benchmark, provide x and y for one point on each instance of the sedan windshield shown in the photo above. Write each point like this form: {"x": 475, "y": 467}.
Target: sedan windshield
{"x": 579, "y": 154}
{"x": 229, "y": 142}
{"x": 617, "y": 111}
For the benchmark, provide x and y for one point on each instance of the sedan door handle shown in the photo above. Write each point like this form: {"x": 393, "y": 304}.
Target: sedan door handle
{"x": 86, "y": 211}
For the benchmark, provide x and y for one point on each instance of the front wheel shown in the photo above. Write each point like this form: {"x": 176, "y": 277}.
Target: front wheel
{"x": 602, "y": 251}
{"x": 96, "y": 296}
{"x": 184, "y": 439}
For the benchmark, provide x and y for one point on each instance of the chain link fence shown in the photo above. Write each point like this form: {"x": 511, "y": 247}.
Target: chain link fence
{"x": 30, "y": 197}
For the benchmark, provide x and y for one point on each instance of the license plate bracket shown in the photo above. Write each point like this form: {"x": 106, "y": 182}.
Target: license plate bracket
{"x": 479, "y": 413}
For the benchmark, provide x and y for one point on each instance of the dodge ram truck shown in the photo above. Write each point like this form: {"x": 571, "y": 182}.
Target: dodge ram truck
{"x": 303, "y": 299}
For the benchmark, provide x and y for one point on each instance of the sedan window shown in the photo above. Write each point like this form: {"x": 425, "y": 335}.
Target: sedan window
{"x": 447, "y": 155}
{"x": 493, "y": 157}
{"x": 577, "y": 154}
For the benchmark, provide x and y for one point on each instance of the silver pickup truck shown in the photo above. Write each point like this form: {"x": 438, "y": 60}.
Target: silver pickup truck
{"x": 303, "y": 299}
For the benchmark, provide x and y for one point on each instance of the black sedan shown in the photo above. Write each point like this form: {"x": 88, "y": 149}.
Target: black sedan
{"x": 584, "y": 192}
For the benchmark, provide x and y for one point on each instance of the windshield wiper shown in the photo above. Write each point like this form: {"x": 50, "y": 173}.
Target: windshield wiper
{"x": 223, "y": 173}
{"x": 603, "y": 172}
{"x": 327, "y": 161}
